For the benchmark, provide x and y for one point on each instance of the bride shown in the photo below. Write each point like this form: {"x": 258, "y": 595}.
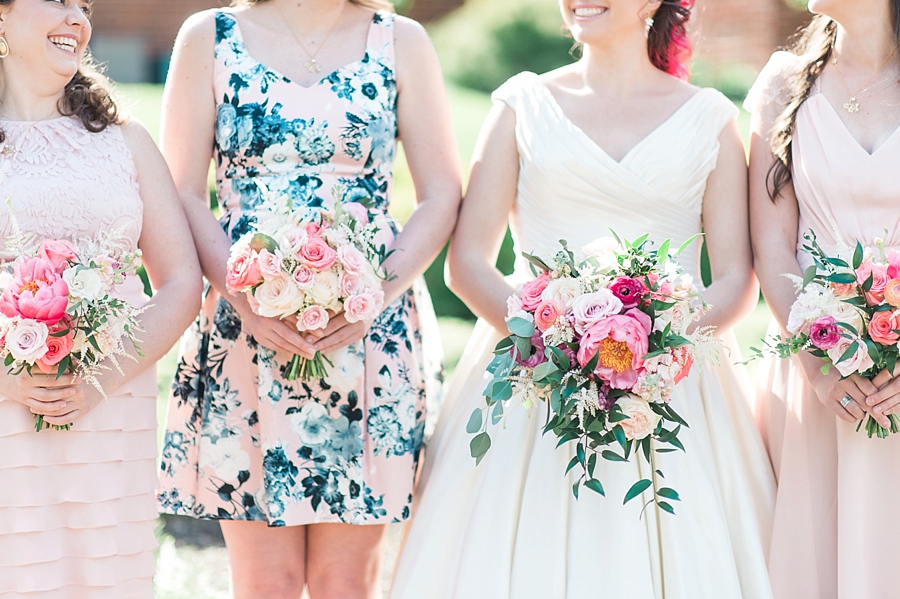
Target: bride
{"x": 616, "y": 140}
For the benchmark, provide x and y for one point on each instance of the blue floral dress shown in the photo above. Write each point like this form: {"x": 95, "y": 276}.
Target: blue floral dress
{"x": 241, "y": 441}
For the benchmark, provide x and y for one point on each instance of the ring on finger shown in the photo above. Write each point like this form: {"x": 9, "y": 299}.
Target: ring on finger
{"x": 846, "y": 401}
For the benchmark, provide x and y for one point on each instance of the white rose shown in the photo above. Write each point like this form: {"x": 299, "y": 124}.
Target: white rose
{"x": 846, "y": 313}
{"x": 28, "y": 340}
{"x": 857, "y": 363}
{"x": 592, "y": 307}
{"x": 565, "y": 289}
{"x": 604, "y": 250}
{"x": 278, "y": 298}
{"x": 326, "y": 289}
{"x": 291, "y": 239}
{"x": 225, "y": 457}
{"x": 84, "y": 283}
{"x": 679, "y": 316}
{"x": 641, "y": 420}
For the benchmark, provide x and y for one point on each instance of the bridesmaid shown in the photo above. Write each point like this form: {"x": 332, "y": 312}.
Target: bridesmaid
{"x": 824, "y": 154}
{"x": 77, "y": 506}
{"x": 306, "y": 99}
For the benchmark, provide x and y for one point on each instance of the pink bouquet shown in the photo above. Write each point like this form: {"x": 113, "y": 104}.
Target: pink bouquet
{"x": 847, "y": 314}
{"x": 310, "y": 263}
{"x": 58, "y": 312}
{"x": 603, "y": 338}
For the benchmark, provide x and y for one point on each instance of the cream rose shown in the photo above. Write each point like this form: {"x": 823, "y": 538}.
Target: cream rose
{"x": 84, "y": 283}
{"x": 270, "y": 263}
{"x": 292, "y": 239}
{"x": 278, "y": 297}
{"x": 27, "y": 341}
{"x": 326, "y": 289}
{"x": 641, "y": 420}
{"x": 564, "y": 289}
{"x": 354, "y": 261}
{"x": 604, "y": 251}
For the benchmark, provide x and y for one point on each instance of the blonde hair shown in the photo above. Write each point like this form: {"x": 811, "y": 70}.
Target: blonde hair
{"x": 373, "y": 4}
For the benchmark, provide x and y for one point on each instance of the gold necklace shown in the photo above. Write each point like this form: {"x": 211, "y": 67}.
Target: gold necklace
{"x": 312, "y": 65}
{"x": 852, "y": 105}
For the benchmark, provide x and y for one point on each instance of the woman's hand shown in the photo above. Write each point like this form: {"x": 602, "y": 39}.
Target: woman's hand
{"x": 42, "y": 393}
{"x": 831, "y": 390}
{"x": 886, "y": 400}
{"x": 84, "y": 399}
{"x": 278, "y": 335}
{"x": 339, "y": 333}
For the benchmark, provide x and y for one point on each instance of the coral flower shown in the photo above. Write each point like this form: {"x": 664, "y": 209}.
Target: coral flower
{"x": 621, "y": 342}
{"x": 36, "y": 292}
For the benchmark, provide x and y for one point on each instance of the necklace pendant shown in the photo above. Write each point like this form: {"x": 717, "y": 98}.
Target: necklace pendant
{"x": 852, "y": 106}
{"x": 312, "y": 65}
{"x": 7, "y": 150}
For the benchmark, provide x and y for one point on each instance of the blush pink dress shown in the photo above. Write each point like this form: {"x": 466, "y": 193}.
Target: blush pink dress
{"x": 77, "y": 506}
{"x": 835, "y": 529}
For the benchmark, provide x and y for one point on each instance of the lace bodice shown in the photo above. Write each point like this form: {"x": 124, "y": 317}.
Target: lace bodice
{"x": 63, "y": 181}
{"x": 569, "y": 188}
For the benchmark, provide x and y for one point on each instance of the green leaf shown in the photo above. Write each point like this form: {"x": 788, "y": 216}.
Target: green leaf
{"x": 579, "y": 453}
{"x": 636, "y": 489}
{"x": 663, "y": 251}
{"x": 536, "y": 261}
{"x": 851, "y": 351}
{"x": 666, "y": 507}
{"x": 475, "y": 421}
{"x": 612, "y": 456}
{"x": 867, "y": 284}
{"x": 594, "y": 485}
{"x": 261, "y": 241}
{"x": 685, "y": 245}
{"x": 619, "y": 434}
{"x": 559, "y": 356}
{"x": 857, "y": 255}
{"x": 809, "y": 275}
{"x": 575, "y": 489}
{"x": 504, "y": 345}
{"x": 669, "y": 494}
{"x": 523, "y": 346}
{"x": 479, "y": 446}
{"x": 501, "y": 391}
{"x": 592, "y": 463}
{"x": 542, "y": 371}
{"x": 572, "y": 463}
{"x": 842, "y": 278}
{"x": 520, "y": 327}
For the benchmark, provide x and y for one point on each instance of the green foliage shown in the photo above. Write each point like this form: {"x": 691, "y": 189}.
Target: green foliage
{"x": 487, "y": 41}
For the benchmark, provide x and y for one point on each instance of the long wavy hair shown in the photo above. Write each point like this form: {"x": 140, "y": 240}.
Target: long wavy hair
{"x": 373, "y": 4}
{"x": 668, "y": 41}
{"x": 815, "y": 45}
{"x": 87, "y": 96}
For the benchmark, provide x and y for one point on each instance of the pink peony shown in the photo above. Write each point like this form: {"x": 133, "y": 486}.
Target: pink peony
{"x": 547, "y": 313}
{"x": 882, "y": 326}
{"x": 354, "y": 261}
{"x": 364, "y": 307}
{"x": 532, "y": 290}
{"x": 269, "y": 263}
{"x": 824, "y": 333}
{"x": 242, "y": 270}
{"x": 57, "y": 252}
{"x": 622, "y": 342}
{"x": 36, "y": 292}
{"x": 880, "y": 278}
{"x": 303, "y": 276}
{"x": 317, "y": 253}
{"x": 629, "y": 291}
{"x": 357, "y": 211}
{"x": 314, "y": 317}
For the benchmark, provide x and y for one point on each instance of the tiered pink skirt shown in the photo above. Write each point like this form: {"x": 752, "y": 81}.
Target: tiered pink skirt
{"x": 77, "y": 507}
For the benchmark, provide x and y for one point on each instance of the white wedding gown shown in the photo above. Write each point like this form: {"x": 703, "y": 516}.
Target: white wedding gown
{"x": 510, "y": 527}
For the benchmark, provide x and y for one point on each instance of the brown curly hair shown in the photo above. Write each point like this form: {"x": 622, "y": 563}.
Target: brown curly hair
{"x": 87, "y": 96}
{"x": 373, "y": 4}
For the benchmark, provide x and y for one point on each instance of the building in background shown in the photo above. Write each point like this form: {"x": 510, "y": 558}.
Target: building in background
{"x": 134, "y": 37}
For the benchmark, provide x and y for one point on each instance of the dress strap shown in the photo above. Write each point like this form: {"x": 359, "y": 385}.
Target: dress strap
{"x": 380, "y": 41}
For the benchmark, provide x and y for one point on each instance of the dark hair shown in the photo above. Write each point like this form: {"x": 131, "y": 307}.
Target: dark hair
{"x": 373, "y": 4}
{"x": 87, "y": 96}
{"x": 668, "y": 41}
{"x": 815, "y": 45}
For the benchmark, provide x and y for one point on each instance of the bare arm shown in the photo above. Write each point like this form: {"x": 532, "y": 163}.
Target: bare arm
{"x": 471, "y": 269}
{"x": 425, "y": 129}
{"x": 186, "y": 139}
{"x": 733, "y": 292}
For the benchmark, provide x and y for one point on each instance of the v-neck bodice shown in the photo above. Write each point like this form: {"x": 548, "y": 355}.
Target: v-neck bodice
{"x": 569, "y": 188}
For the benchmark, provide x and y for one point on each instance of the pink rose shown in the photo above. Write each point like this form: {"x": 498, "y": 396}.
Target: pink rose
{"x": 547, "y": 313}
{"x": 269, "y": 263}
{"x": 351, "y": 285}
{"x": 57, "y": 252}
{"x": 313, "y": 229}
{"x": 317, "y": 253}
{"x": 532, "y": 290}
{"x": 27, "y": 341}
{"x": 303, "y": 276}
{"x": 855, "y": 364}
{"x": 622, "y": 342}
{"x": 894, "y": 264}
{"x": 242, "y": 270}
{"x": 824, "y": 333}
{"x": 592, "y": 307}
{"x": 36, "y": 292}
{"x": 629, "y": 291}
{"x": 314, "y": 317}
{"x": 57, "y": 349}
{"x": 882, "y": 326}
{"x": 880, "y": 279}
{"x": 357, "y": 211}
{"x": 364, "y": 307}
{"x": 354, "y": 261}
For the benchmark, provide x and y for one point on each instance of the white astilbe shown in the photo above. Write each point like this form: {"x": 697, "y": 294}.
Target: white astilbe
{"x": 814, "y": 302}
{"x": 587, "y": 401}
{"x": 704, "y": 345}
{"x": 559, "y": 333}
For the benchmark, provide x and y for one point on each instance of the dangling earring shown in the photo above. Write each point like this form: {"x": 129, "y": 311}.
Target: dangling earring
{"x": 565, "y": 32}
{"x": 648, "y": 25}
{"x": 4, "y": 47}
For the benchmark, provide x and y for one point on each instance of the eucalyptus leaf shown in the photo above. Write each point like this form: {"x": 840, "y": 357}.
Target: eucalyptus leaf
{"x": 479, "y": 446}
{"x": 520, "y": 327}
{"x": 475, "y": 421}
{"x": 808, "y": 275}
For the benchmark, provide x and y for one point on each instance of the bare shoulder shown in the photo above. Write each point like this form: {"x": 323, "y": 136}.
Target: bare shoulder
{"x": 410, "y": 36}
{"x": 199, "y": 30}
{"x": 139, "y": 141}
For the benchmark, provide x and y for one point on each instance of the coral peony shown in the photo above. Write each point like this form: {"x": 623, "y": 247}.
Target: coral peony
{"x": 622, "y": 342}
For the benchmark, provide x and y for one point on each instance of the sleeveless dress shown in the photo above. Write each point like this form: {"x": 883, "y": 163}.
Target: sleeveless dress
{"x": 241, "y": 441}
{"x": 77, "y": 506}
{"x": 510, "y": 527}
{"x": 835, "y": 528}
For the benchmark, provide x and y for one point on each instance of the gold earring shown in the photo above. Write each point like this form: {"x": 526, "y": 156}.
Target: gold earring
{"x": 4, "y": 47}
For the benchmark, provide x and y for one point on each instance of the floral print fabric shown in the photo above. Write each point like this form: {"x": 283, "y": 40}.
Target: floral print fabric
{"x": 241, "y": 441}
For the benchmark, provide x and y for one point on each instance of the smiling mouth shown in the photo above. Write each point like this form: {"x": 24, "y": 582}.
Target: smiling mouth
{"x": 588, "y": 12}
{"x": 65, "y": 43}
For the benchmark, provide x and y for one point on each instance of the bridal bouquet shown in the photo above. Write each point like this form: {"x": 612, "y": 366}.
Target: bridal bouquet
{"x": 310, "y": 263}
{"x": 847, "y": 314}
{"x": 58, "y": 311}
{"x": 603, "y": 338}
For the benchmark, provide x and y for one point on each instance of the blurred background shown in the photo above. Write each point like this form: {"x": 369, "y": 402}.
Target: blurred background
{"x": 480, "y": 43}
